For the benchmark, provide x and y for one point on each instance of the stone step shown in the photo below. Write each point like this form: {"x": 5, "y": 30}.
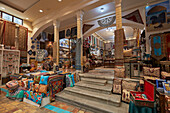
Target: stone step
{"x": 111, "y": 99}
{"x": 96, "y": 88}
{"x": 91, "y": 105}
{"x": 94, "y": 81}
{"x": 97, "y": 76}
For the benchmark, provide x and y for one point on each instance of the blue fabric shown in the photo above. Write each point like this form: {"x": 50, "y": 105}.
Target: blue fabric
{"x": 72, "y": 76}
{"x": 157, "y": 40}
{"x": 139, "y": 109}
{"x": 44, "y": 80}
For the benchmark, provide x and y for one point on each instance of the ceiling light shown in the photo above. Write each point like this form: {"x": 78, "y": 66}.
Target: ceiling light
{"x": 26, "y": 18}
{"x": 111, "y": 29}
{"x": 2, "y": 8}
{"x": 40, "y": 11}
{"x": 59, "y": 0}
{"x": 102, "y": 9}
{"x": 147, "y": 5}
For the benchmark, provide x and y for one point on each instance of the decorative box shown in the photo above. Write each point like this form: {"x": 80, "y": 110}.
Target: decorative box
{"x": 146, "y": 98}
{"x": 159, "y": 84}
{"x": 166, "y": 86}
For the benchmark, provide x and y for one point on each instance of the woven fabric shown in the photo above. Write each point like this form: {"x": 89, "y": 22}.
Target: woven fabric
{"x": 1, "y": 31}
{"x": 22, "y": 37}
{"x": 154, "y": 72}
{"x": 134, "y": 16}
{"x": 158, "y": 44}
{"x": 128, "y": 85}
{"x": 165, "y": 75}
{"x": 117, "y": 84}
{"x": 126, "y": 95}
{"x": 9, "y": 34}
{"x": 119, "y": 73}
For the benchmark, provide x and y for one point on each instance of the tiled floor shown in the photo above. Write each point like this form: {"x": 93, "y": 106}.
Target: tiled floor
{"x": 14, "y": 106}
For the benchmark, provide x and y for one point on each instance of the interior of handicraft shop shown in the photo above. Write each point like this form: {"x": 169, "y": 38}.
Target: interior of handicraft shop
{"x": 85, "y": 56}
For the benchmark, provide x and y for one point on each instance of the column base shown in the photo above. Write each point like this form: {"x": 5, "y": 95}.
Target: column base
{"x": 119, "y": 62}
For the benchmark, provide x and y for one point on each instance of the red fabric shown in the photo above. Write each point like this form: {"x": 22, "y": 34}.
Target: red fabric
{"x": 149, "y": 90}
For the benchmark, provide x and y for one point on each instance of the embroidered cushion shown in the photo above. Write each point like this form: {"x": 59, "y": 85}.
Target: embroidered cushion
{"x": 37, "y": 79}
{"x": 44, "y": 80}
{"x": 128, "y": 85}
{"x": 36, "y": 87}
{"x": 117, "y": 84}
{"x": 43, "y": 89}
{"x": 119, "y": 73}
{"x": 165, "y": 74}
{"x": 72, "y": 76}
{"x": 127, "y": 53}
{"x": 154, "y": 72}
{"x": 126, "y": 95}
{"x": 68, "y": 81}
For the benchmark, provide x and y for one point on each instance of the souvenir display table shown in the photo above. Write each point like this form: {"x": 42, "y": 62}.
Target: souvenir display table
{"x": 38, "y": 88}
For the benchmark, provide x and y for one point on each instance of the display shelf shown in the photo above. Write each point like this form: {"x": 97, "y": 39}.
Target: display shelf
{"x": 9, "y": 62}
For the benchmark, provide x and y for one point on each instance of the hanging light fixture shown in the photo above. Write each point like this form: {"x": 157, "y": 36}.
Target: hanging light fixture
{"x": 102, "y": 9}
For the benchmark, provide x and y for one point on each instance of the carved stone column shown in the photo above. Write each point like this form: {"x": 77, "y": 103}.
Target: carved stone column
{"x": 79, "y": 44}
{"x": 119, "y": 35}
{"x": 56, "y": 25}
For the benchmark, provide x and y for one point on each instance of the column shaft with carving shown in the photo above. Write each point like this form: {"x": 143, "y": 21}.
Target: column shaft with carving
{"x": 56, "y": 47}
{"x": 119, "y": 35}
{"x": 79, "y": 46}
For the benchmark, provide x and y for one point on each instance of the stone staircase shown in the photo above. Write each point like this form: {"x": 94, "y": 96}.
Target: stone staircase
{"x": 93, "y": 93}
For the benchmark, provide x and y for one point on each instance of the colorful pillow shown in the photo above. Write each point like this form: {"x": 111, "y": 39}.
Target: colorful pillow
{"x": 37, "y": 79}
{"x": 129, "y": 85}
{"x": 72, "y": 76}
{"x": 119, "y": 73}
{"x": 68, "y": 81}
{"x": 165, "y": 75}
{"x": 154, "y": 72}
{"x": 126, "y": 95}
{"x": 127, "y": 53}
{"x": 43, "y": 89}
{"x": 30, "y": 83}
{"x": 44, "y": 80}
{"x": 117, "y": 86}
{"x": 36, "y": 87}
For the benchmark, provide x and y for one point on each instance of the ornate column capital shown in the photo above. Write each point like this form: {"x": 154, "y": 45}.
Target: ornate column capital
{"x": 80, "y": 14}
{"x": 118, "y": 3}
{"x": 56, "y": 23}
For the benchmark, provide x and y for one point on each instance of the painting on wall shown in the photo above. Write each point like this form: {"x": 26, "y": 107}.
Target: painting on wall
{"x": 158, "y": 16}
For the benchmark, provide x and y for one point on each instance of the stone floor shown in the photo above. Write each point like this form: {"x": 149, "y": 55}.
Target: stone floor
{"x": 14, "y": 106}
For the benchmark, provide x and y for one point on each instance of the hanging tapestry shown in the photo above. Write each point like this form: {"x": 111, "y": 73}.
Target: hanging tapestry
{"x": 158, "y": 46}
{"x": 22, "y": 40}
{"x": 158, "y": 16}
{"x": 86, "y": 27}
{"x": 168, "y": 43}
{"x": 134, "y": 16}
{"x": 1, "y": 31}
{"x": 9, "y": 34}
